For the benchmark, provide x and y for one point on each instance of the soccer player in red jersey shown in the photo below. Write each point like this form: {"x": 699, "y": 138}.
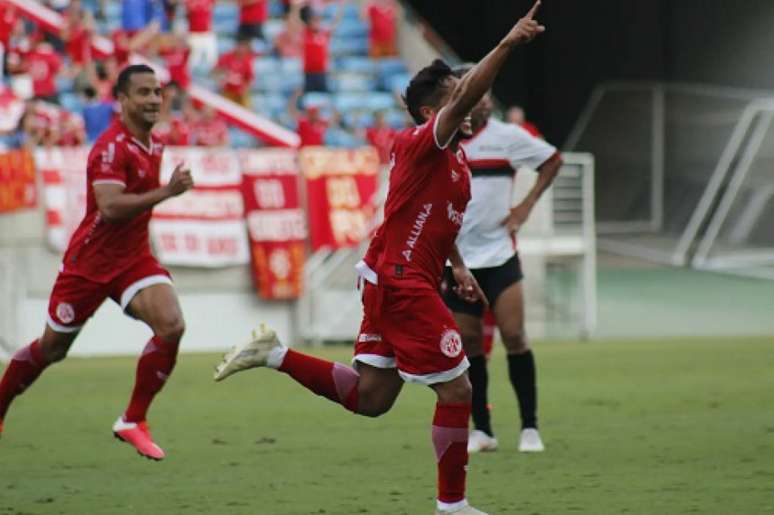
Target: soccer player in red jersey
{"x": 109, "y": 256}
{"x": 407, "y": 334}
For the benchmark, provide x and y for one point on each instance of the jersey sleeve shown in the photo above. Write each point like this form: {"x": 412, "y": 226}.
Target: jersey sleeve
{"x": 108, "y": 165}
{"x": 422, "y": 141}
{"x": 523, "y": 149}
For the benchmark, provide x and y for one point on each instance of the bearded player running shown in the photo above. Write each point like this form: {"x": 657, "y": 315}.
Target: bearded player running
{"x": 487, "y": 242}
{"x": 109, "y": 256}
{"x": 407, "y": 333}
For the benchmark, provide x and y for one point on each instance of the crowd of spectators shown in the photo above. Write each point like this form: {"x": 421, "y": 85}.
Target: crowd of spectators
{"x": 37, "y": 66}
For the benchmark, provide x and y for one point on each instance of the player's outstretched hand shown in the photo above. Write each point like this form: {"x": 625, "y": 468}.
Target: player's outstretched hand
{"x": 526, "y": 28}
{"x": 181, "y": 181}
{"x": 467, "y": 287}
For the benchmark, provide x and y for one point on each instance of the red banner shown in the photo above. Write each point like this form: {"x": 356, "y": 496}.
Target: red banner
{"x": 17, "y": 180}
{"x": 204, "y": 226}
{"x": 341, "y": 185}
{"x": 275, "y": 221}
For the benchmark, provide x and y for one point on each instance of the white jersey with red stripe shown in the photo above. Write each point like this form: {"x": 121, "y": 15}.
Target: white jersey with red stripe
{"x": 494, "y": 155}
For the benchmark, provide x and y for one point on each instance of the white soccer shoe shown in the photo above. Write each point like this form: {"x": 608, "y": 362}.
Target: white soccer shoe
{"x": 479, "y": 441}
{"x": 465, "y": 510}
{"x": 530, "y": 441}
{"x": 254, "y": 353}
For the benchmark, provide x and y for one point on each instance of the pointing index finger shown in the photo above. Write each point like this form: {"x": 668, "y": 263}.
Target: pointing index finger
{"x": 533, "y": 11}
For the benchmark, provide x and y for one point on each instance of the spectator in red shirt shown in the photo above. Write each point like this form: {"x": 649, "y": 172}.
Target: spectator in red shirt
{"x": 515, "y": 115}
{"x": 311, "y": 126}
{"x": 210, "y": 130}
{"x": 382, "y": 16}
{"x": 174, "y": 127}
{"x": 125, "y": 42}
{"x": 201, "y": 38}
{"x": 175, "y": 52}
{"x": 381, "y": 136}
{"x": 290, "y": 41}
{"x": 235, "y": 71}
{"x": 252, "y": 16}
{"x": 8, "y": 19}
{"x": 43, "y": 63}
{"x": 317, "y": 39}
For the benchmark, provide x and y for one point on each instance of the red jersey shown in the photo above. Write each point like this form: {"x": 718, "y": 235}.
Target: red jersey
{"x": 382, "y": 139}
{"x": 176, "y": 59}
{"x": 311, "y": 133}
{"x": 78, "y": 47}
{"x": 121, "y": 47}
{"x": 200, "y": 15}
{"x": 176, "y": 132}
{"x": 100, "y": 250}
{"x": 8, "y": 19}
{"x": 428, "y": 192}
{"x": 316, "y": 50}
{"x": 255, "y": 12}
{"x": 382, "y": 19}
{"x": 238, "y": 71}
{"x": 43, "y": 66}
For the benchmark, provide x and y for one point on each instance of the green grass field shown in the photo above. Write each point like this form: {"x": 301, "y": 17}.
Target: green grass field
{"x": 649, "y": 427}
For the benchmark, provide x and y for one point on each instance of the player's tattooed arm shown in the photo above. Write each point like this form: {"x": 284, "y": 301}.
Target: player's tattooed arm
{"x": 472, "y": 87}
{"x": 467, "y": 287}
{"x": 115, "y": 205}
{"x": 519, "y": 213}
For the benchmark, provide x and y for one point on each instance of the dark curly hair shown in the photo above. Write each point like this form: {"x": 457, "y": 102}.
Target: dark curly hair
{"x": 427, "y": 88}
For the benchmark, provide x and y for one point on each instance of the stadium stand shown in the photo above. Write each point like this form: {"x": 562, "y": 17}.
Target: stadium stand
{"x": 359, "y": 84}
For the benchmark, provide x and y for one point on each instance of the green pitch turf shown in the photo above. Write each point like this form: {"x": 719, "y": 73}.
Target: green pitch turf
{"x": 649, "y": 427}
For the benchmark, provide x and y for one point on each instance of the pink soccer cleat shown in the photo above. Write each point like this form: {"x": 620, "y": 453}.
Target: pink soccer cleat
{"x": 138, "y": 436}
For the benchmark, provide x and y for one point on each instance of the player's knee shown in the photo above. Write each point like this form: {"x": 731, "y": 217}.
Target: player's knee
{"x": 171, "y": 330}
{"x": 515, "y": 341}
{"x": 372, "y": 405}
{"x": 458, "y": 391}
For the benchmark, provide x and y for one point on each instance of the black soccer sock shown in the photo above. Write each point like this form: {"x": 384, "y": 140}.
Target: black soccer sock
{"x": 521, "y": 369}
{"x": 479, "y": 378}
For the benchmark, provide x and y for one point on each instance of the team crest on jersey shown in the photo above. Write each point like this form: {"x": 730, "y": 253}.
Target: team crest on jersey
{"x": 451, "y": 343}
{"x": 65, "y": 312}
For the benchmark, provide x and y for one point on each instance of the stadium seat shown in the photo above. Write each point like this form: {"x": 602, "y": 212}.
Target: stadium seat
{"x": 346, "y": 102}
{"x": 64, "y": 83}
{"x": 240, "y": 139}
{"x": 265, "y": 65}
{"x": 351, "y": 28}
{"x": 322, "y": 100}
{"x": 275, "y": 9}
{"x": 349, "y": 46}
{"x": 396, "y": 118}
{"x": 225, "y": 45}
{"x": 378, "y": 101}
{"x": 71, "y": 102}
{"x": 225, "y": 17}
{"x": 349, "y": 81}
{"x": 272, "y": 28}
{"x": 357, "y": 64}
{"x": 397, "y": 83}
{"x": 292, "y": 65}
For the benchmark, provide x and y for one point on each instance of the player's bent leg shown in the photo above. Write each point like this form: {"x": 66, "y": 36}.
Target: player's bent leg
{"x": 509, "y": 312}
{"x": 471, "y": 329}
{"x": 157, "y": 306}
{"x": 28, "y": 363}
{"x": 368, "y": 391}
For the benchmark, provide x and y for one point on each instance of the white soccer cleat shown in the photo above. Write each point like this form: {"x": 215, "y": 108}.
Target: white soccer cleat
{"x": 465, "y": 510}
{"x": 254, "y": 353}
{"x": 479, "y": 441}
{"x": 530, "y": 441}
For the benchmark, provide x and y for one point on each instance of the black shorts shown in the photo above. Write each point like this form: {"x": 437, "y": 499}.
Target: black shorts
{"x": 492, "y": 280}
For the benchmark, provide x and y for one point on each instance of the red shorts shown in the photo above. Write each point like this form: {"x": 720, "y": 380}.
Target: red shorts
{"x": 74, "y": 298}
{"x": 412, "y": 330}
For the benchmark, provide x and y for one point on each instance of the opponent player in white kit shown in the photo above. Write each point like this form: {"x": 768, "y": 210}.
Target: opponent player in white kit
{"x": 487, "y": 243}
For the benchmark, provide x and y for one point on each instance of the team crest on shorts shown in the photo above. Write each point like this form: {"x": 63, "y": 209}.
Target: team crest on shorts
{"x": 451, "y": 343}
{"x": 65, "y": 312}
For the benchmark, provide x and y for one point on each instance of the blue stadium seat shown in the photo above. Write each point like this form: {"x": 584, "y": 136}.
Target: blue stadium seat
{"x": 351, "y": 28}
{"x": 352, "y": 82}
{"x": 391, "y": 66}
{"x": 345, "y": 102}
{"x": 275, "y": 9}
{"x": 71, "y": 102}
{"x": 378, "y": 101}
{"x": 272, "y": 28}
{"x": 323, "y": 100}
{"x": 292, "y": 65}
{"x": 225, "y": 45}
{"x": 396, "y": 118}
{"x": 349, "y": 46}
{"x": 397, "y": 83}
{"x": 357, "y": 64}
{"x": 265, "y": 65}
{"x": 64, "y": 83}
{"x": 240, "y": 139}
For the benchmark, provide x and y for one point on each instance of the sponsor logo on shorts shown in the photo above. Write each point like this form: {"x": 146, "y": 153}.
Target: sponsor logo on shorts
{"x": 65, "y": 312}
{"x": 365, "y": 337}
{"x": 451, "y": 343}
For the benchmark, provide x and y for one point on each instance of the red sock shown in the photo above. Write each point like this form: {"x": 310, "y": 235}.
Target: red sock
{"x": 154, "y": 367}
{"x": 25, "y": 366}
{"x": 450, "y": 439}
{"x": 333, "y": 381}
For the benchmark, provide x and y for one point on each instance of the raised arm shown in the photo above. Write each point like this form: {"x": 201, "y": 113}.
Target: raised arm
{"x": 115, "y": 205}
{"x": 472, "y": 87}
